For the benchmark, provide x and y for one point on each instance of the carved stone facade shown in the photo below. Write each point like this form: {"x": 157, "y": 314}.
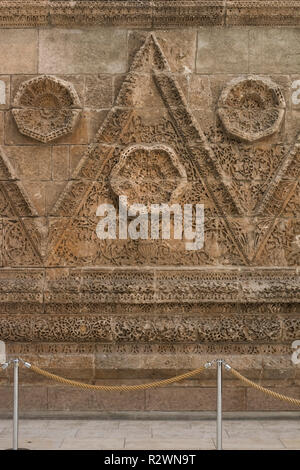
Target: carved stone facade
{"x": 185, "y": 116}
{"x": 251, "y": 108}
{"x": 44, "y": 108}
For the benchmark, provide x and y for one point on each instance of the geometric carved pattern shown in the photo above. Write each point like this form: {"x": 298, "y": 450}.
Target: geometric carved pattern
{"x": 241, "y": 209}
{"x": 251, "y": 108}
{"x": 148, "y": 174}
{"x": 46, "y": 108}
{"x": 20, "y": 235}
{"x": 157, "y": 117}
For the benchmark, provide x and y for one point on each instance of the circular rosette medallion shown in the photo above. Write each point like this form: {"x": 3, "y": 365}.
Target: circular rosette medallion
{"x": 46, "y": 108}
{"x": 148, "y": 174}
{"x": 251, "y": 108}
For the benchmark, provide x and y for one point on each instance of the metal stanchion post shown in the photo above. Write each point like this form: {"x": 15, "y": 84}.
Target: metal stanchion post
{"x": 219, "y": 404}
{"x": 16, "y": 405}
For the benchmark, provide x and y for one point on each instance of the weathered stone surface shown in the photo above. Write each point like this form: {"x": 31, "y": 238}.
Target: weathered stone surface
{"x": 171, "y": 398}
{"x": 179, "y": 48}
{"x": 60, "y": 162}
{"x": 222, "y": 50}
{"x": 46, "y": 108}
{"x": 98, "y": 91}
{"x": 129, "y": 311}
{"x": 18, "y": 51}
{"x": 274, "y": 51}
{"x": 31, "y": 163}
{"x": 82, "y": 51}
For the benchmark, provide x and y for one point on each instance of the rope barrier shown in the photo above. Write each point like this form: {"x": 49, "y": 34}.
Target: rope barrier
{"x": 145, "y": 386}
{"x": 160, "y": 383}
{"x": 110, "y": 388}
{"x": 265, "y": 390}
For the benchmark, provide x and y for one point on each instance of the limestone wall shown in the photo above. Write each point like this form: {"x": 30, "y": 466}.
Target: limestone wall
{"x": 218, "y": 86}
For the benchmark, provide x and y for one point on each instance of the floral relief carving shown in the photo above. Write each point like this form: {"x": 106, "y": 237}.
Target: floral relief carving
{"x": 46, "y": 108}
{"x": 251, "y": 108}
{"x": 149, "y": 174}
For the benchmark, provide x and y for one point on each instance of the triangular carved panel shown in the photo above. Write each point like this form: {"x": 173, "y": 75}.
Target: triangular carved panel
{"x": 20, "y": 236}
{"x": 151, "y": 109}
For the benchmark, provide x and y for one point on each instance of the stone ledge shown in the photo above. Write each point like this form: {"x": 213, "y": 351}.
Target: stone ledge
{"x": 149, "y": 14}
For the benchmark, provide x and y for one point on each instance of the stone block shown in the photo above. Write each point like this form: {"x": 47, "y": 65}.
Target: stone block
{"x": 52, "y": 191}
{"x": 18, "y": 50}
{"x": 60, "y": 162}
{"x": 70, "y": 399}
{"x": 31, "y": 398}
{"x": 120, "y": 401}
{"x": 95, "y": 120}
{"x": 222, "y": 50}
{"x": 196, "y": 399}
{"x": 76, "y": 153}
{"x": 66, "y": 51}
{"x": 30, "y": 163}
{"x": 273, "y": 50}
{"x": 257, "y": 400}
{"x": 36, "y": 194}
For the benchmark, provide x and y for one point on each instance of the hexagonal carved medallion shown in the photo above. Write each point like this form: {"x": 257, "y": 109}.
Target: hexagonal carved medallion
{"x": 148, "y": 174}
{"x": 46, "y": 108}
{"x": 251, "y": 108}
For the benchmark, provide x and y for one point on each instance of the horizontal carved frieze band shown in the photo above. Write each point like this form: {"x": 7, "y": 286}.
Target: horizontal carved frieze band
{"x": 148, "y": 13}
{"x": 149, "y": 329}
{"x": 241, "y": 351}
{"x": 146, "y": 286}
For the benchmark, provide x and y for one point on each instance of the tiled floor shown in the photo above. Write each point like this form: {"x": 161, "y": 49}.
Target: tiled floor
{"x": 116, "y": 435}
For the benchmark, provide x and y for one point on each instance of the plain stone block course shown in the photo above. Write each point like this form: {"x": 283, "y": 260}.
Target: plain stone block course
{"x": 133, "y": 401}
{"x": 193, "y": 399}
{"x": 256, "y": 400}
{"x": 18, "y": 51}
{"x": 222, "y": 50}
{"x": 30, "y": 398}
{"x": 67, "y": 51}
{"x": 60, "y": 398}
{"x": 30, "y": 163}
{"x": 274, "y": 50}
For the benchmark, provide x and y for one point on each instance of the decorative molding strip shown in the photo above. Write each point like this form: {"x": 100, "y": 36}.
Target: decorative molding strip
{"x": 233, "y": 328}
{"x": 149, "y": 13}
{"x": 243, "y": 352}
{"x": 138, "y": 290}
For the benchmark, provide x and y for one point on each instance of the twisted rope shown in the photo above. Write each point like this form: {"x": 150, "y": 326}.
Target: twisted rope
{"x": 122, "y": 388}
{"x": 265, "y": 390}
